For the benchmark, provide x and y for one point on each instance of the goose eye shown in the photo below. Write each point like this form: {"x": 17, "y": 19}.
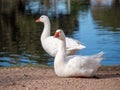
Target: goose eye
{"x": 60, "y": 31}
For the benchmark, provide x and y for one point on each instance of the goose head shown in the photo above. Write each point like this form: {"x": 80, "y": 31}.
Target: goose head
{"x": 59, "y": 34}
{"x": 43, "y": 19}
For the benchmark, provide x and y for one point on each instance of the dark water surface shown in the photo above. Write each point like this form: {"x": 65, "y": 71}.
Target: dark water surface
{"x": 96, "y": 24}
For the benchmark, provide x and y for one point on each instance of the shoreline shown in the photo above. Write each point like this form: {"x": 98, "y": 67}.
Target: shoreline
{"x": 44, "y": 78}
{"x": 102, "y": 67}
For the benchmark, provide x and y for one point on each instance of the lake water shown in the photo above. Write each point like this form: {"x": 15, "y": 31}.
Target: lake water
{"x": 96, "y": 24}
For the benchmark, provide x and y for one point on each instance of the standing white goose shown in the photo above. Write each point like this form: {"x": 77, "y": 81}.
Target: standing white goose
{"x": 49, "y": 43}
{"x": 74, "y": 65}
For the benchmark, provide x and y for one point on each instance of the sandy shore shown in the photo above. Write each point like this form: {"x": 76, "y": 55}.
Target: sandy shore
{"x": 36, "y": 78}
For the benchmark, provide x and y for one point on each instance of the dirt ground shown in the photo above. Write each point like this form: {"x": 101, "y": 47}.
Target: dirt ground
{"x": 36, "y": 78}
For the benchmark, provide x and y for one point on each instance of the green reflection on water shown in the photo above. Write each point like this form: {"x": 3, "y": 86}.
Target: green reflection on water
{"x": 19, "y": 34}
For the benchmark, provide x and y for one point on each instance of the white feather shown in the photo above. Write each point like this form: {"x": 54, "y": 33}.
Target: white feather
{"x": 49, "y": 43}
{"x": 75, "y": 65}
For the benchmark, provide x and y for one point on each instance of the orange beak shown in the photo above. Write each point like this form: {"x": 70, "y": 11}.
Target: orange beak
{"x": 37, "y": 20}
{"x": 56, "y": 34}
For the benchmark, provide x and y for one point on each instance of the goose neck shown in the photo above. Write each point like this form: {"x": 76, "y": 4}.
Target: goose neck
{"x": 61, "y": 53}
{"x": 46, "y": 30}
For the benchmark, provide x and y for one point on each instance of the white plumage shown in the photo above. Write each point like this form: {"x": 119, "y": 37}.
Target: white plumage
{"x": 74, "y": 65}
{"x": 49, "y": 43}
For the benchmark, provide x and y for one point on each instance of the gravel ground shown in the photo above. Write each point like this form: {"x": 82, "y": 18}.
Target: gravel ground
{"x": 36, "y": 78}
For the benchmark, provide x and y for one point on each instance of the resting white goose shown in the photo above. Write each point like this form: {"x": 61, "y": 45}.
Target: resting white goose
{"x": 49, "y": 43}
{"x": 74, "y": 65}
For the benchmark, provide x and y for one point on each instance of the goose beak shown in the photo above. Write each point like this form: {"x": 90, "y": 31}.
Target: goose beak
{"x": 56, "y": 35}
{"x": 37, "y": 20}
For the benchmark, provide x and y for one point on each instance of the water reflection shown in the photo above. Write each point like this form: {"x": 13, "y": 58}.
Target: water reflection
{"x": 49, "y": 7}
{"x": 105, "y": 3}
{"x": 103, "y": 30}
{"x": 107, "y": 12}
{"x": 101, "y": 3}
{"x": 96, "y": 25}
